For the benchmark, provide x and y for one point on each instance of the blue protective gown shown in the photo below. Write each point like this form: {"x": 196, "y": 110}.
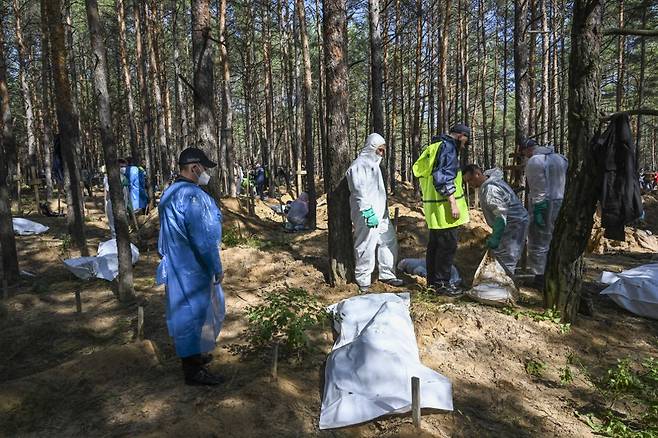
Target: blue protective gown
{"x": 189, "y": 244}
{"x": 137, "y": 179}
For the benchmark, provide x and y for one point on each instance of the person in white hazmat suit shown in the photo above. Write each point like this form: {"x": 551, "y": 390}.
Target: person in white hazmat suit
{"x": 374, "y": 235}
{"x": 503, "y": 212}
{"x": 546, "y": 173}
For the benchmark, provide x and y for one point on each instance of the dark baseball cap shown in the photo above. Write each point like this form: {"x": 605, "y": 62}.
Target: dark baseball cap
{"x": 461, "y": 129}
{"x": 529, "y": 143}
{"x": 195, "y": 155}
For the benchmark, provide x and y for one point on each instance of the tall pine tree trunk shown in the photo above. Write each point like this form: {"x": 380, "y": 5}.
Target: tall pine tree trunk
{"x": 204, "y": 92}
{"x": 46, "y": 99}
{"x": 227, "y": 112}
{"x": 120, "y": 218}
{"x": 125, "y": 76}
{"x": 376, "y": 65}
{"x": 522, "y": 82}
{"x": 337, "y": 155}
{"x": 8, "y": 256}
{"x": 23, "y": 74}
{"x": 307, "y": 91}
{"x": 68, "y": 123}
{"x": 574, "y": 225}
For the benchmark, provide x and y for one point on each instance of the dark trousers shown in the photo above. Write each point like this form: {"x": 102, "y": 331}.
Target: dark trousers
{"x": 440, "y": 255}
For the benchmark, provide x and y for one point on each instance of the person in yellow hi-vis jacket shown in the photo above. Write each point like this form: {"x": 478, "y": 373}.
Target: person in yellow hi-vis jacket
{"x": 444, "y": 205}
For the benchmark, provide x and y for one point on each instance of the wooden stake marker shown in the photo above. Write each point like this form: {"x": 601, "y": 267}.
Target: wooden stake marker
{"x": 78, "y": 301}
{"x": 275, "y": 362}
{"x": 396, "y": 217}
{"x": 415, "y": 401}
{"x": 140, "y": 323}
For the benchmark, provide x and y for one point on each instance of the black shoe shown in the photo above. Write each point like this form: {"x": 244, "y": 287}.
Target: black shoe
{"x": 203, "y": 377}
{"x": 396, "y": 282}
{"x": 447, "y": 289}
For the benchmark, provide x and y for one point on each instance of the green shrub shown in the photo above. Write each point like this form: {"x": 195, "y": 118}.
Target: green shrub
{"x": 284, "y": 317}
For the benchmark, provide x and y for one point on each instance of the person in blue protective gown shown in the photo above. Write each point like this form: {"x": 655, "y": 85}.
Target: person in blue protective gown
{"x": 137, "y": 186}
{"x": 191, "y": 268}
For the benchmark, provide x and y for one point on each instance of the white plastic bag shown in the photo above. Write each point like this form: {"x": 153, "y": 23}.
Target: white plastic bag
{"x": 635, "y": 290}
{"x": 492, "y": 285}
{"x": 25, "y": 227}
{"x": 105, "y": 265}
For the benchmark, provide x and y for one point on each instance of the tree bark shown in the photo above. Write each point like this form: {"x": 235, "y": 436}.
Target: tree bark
{"x": 68, "y": 123}
{"x": 120, "y": 218}
{"x": 574, "y": 224}
{"x": 227, "y": 112}
{"x": 23, "y": 62}
{"x": 123, "y": 58}
{"x": 46, "y": 119}
{"x": 522, "y": 81}
{"x": 443, "y": 68}
{"x": 621, "y": 43}
{"x": 307, "y": 91}
{"x": 376, "y": 65}
{"x": 415, "y": 130}
{"x": 267, "y": 141}
{"x": 337, "y": 157}
{"x": 8, "y": 255}
{"x": 545, "y": 83}
{"x": 204, "y": 104}
{"x": 640, "y": 85}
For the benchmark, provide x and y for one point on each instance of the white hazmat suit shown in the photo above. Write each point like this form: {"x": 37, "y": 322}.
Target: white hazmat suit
{"x": 546, "y": 172}
{"x": 498, "y": 200}
{"x": 367, "y": 191}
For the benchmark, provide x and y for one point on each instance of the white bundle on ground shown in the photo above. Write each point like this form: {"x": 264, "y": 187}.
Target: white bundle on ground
{"x": 368, "y": 373}
{"x": 105, "y": 265}
{"x": 492, "y": 284}
{"x": 419, "y": 267}
{"x": 635, "y": 290}
{"x": 25, "y": 227}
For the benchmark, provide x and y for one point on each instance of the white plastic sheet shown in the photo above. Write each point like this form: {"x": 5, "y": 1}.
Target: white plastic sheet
{"x": 368, "y": 373}
{"x": 105, "y": 265}
{"x": 419, "y": 267}
{"x": 492, "y": 285}
{"x": 25, "y": 227}
{"x": 635, "y": 290}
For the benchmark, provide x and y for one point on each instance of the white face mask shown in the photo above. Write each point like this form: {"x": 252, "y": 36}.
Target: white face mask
{"x": 204, "y": 178}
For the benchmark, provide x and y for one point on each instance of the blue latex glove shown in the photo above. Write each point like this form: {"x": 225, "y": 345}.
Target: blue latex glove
{"x": 370, "y": 217}
{"x": 493, "y": 241}
{"x": 539, "y": 210}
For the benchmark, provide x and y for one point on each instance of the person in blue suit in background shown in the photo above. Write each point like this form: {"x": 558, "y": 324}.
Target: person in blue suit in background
{"x": 191, "y": 268}
{"x": 137, "y": 179}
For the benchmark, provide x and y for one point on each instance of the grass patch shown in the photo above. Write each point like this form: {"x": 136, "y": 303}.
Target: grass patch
{"x": 635, "y": 384}
{"x": 550, "y": 315}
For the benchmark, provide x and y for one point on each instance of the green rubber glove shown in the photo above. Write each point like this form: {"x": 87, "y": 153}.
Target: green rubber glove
{"x": 539, "y": 210}
{"x": 370, "y": 217}
{"x": 493, "y": 241}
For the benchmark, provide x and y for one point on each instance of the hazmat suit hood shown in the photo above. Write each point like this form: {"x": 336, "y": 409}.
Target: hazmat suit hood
{"x": 493, "y": 174}
{"x": 543, "y": 150}
{"x": 364, "y": 178}
{"x": 369, "y": 150}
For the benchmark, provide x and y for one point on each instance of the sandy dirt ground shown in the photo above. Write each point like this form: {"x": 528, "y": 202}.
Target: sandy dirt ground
{"x": 69, "y": 374}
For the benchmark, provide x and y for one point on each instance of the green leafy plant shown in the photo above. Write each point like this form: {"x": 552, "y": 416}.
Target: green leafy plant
{"x": 566, "y": 376}
{"x": 636, "y": 383}
{"x": 65, "y": 246}
{"x": 232, "y": 236}
{"x": 285, "y": 317}
{"x": 550, "y": 315}
{"x": 534, "y": 367}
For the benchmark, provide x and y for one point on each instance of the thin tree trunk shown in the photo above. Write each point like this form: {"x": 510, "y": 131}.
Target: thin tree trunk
{"x": 640, "y": 85}
{"x": 574, "y": 224}
{"x": 126, "y": 291}
{"x": 204, "y": 104}
{"x": 179, "y": 94}
{"x": 8, "y": 255}
{"x": 483, "y": 84}
{"x": 621, "y": 43}
{"x": 396, "y": 85}
{"x": 227, "y": 112}
{"x": 68, "y": 123}
{"x": 337, "y": 158}
{"x": 46, "y": 119}
{"x": 154, "y": 79}
{"x": 545, "y": 83}
{"x": 415, "y": 147}
{"x": 308, "y": 115}
{"x": 127, "y": 86}
{"x": 504, "y": 87}
{"x": 443, "y": 66}
{"x": 522, "y": 89}
{"x": 376, "y": 65}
